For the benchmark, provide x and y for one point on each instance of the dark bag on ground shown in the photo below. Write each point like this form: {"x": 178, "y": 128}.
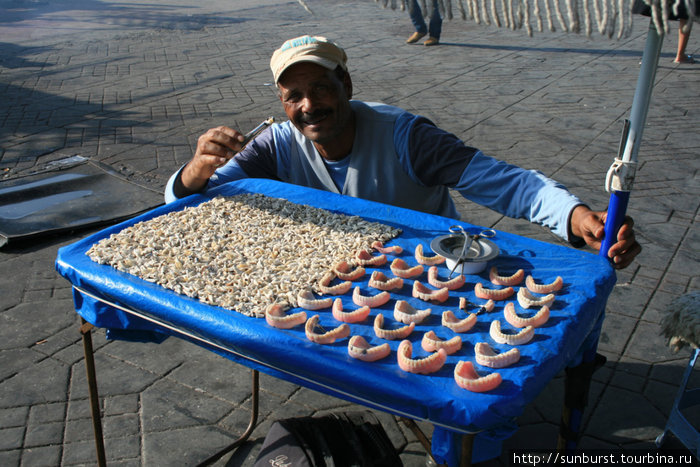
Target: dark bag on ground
{"x": 348, "y": 439}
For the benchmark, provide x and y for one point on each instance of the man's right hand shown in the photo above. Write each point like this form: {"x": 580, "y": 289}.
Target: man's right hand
{"x": 214, "y": 149}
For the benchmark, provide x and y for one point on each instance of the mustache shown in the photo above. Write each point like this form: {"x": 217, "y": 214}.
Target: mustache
{"x": 313, "y": 116}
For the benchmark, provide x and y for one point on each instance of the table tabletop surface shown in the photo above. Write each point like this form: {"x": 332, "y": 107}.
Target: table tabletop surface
{"x": 288, "y": 354}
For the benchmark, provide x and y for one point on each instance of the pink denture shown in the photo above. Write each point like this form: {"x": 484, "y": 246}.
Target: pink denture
{"x": 381, "y": 281}
{"x": 523, "y": 337}
{"x": 432, "y": 343}
{"x": 492, "y": 294}
{"x": 486, "y": 356}
{"x": 346, "y": 272}
{"x": 467, "y": 378}
{"x": 427, "y": 260}
{"x": 379, "y": 246}
{"x": 405, "y": 313}
{"x": 365, "y": 258}
{"x": 427, "y": 294}
{"x": 325, "y": 286}
{"x": 276, "y": 317}
{"x": 391, "y": 334}
{"x": 307, "y": 301}
{"x": 452, "y": 284}
{"x": 359, "y": 348}
{"x": 544, "y": 288}
{"x": 515, "y": 279}
{"x": 526, "y": 299}
{"x": 371, "y": 301}
{"x": 535, "y": 321}
{"x": 327, "y": 337}
{"x": 450, "y": 321}
{"x": 429, "y": 364}
{"x": 400, "y": 268}
{"x": 354, "y": 316}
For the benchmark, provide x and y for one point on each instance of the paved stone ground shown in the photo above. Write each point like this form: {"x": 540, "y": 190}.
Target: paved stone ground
{"x": 133, "y": 84}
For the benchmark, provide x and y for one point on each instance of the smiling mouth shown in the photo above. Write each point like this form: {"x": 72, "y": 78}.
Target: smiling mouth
{"x": 314, "y": 119}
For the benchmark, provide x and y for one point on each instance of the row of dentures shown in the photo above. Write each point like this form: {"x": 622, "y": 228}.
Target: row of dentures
{"x": 465, "y": 374}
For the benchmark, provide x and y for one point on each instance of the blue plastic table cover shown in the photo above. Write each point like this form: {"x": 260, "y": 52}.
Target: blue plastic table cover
{"x": 288, "y": 354}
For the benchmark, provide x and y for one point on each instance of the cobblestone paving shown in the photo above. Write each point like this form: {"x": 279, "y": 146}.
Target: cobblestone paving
{"x": 133, "y": 85}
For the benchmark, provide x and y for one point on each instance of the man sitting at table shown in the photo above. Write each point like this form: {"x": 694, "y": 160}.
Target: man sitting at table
{"x": 381, "y": 153}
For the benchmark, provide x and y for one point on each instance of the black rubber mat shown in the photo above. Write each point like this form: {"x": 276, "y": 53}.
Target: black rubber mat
{"x": 77, "y": 195}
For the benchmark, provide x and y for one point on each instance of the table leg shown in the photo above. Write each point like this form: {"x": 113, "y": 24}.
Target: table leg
{"x": 465, "y": 459}
{"x": 576, "y": 387}
{"x": 86, "y": 331}
{"x": 251, "y": 424}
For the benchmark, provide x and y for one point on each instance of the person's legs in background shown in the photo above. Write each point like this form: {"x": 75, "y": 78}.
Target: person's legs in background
{"x": 435, "y": 26}
{"x": 416, "y": 15}
{"x": 681, "y": 56}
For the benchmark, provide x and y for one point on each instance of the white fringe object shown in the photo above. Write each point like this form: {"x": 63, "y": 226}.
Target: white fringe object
{"x": 605, "y": 15}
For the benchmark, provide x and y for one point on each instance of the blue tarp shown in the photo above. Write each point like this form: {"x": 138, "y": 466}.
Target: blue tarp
{"x": 288, "y": 354}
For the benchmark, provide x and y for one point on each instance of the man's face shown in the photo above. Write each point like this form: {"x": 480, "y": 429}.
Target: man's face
{"x": 316, "y": 101}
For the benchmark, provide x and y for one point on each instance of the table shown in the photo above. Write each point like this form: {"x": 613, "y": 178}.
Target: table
{"x": 107, "y": 298}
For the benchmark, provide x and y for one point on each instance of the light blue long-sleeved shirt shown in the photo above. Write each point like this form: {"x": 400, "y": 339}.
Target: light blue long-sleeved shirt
{"x": 405, "y": 160}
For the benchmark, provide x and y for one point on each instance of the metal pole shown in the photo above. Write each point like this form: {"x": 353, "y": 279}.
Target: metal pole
{"x": 621, "y": 175}
{"x": 85, "y": 330}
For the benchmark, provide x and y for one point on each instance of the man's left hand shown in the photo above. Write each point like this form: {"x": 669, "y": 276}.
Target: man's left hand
{"x": 590, "y": 225}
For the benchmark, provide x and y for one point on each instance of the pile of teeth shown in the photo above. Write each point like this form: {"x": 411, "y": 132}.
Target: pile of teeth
{"x": 243, "y": 252}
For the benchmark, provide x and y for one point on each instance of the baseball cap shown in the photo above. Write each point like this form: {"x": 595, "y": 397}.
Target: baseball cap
{"x": 314, "y": 49}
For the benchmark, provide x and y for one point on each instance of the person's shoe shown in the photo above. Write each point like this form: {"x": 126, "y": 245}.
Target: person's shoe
{"x": 415, "y": 37}
{"x": 685, "y": 59}
{"x": 431, "y": 41}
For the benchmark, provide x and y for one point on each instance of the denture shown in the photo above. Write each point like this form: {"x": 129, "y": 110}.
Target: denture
{"x": 515, "y": 279}
{"x": 523, "y": 337}
{"x": 486, "y": 356}
{"x": 276, "y": 317}
{"x": 535, "y": 321}
{"x": 307, "y": 301}
{"x": 381, "y": 281}
{"x": 359, "y": 348}
{"x": 452, "y": 284}
{"x": 400, "y": 268}
{"x": 327, "y": 337}
{"x": 526, "y": 299}
{"x": 379, "y": 246}
{"x": 544, "y": 288}
{"x": 405, "y": 313}
{"x": 354, "y": 316}
{"x": 424, "y": 366}
{"x": 371, "y": 301}
{"x": 325, "y": 286}
{"x": 365, "y": 258}
{"x": 391, "y": 334}
{"x": 432, "y": 343}
{"x": 345, "y": 271}
{"x": 427, "y": 260}
{"x": 450, "y": 321}
{"x": 492, "y": 294}
{"x": 421, "y": 291}
{"x": 467, "y": 378}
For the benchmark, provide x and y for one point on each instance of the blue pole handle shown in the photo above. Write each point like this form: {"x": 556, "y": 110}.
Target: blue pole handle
{"x": 617, "y": 209}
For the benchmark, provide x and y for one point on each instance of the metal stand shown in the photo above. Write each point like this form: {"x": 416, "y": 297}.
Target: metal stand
{"x": 677, "y": 423}
{"x": 85, "y": 330}
{"x": 620, "y": 178}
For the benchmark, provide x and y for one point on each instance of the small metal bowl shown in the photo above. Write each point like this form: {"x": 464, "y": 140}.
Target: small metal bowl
{"x": 481, "y": 251}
